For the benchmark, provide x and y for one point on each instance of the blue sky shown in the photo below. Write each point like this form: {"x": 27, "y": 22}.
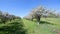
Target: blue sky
{"x": 23, "y": 7}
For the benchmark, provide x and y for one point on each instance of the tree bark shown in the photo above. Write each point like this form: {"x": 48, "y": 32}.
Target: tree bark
{"x": 38, "y": 19}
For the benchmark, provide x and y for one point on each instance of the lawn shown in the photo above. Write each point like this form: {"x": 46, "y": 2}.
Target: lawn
{"x": 47, "y": 26}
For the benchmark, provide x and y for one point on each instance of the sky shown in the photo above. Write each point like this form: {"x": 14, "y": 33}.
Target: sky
{"x": 23, "y": 7}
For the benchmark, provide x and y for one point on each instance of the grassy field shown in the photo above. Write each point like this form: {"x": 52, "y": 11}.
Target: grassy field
{"x": 47, "y": 26}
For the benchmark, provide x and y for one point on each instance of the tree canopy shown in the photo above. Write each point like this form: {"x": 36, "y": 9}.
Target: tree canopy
{"x": 39, "y": 12}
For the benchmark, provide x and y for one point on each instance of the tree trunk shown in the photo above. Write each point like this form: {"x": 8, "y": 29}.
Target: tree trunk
{"x": 38, "y": 19}
{"x": 31, "y": 19}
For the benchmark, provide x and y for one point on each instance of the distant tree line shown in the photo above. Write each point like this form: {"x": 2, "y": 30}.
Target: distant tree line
{"x": 4, "y": 16}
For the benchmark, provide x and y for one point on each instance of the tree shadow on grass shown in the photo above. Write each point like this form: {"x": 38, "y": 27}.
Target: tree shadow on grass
{"x": 45, "y": 22}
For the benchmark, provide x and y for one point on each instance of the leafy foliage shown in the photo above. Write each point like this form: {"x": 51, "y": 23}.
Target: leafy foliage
{"x": 7, "y": 17}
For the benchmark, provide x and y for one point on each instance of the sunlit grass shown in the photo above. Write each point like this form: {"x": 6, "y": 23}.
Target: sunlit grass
{"x": 34, "y": 28}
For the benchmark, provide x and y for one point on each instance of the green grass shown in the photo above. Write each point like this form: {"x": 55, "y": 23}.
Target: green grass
{"x": 43, "y": 28}
{"x": 12, "y": 27}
